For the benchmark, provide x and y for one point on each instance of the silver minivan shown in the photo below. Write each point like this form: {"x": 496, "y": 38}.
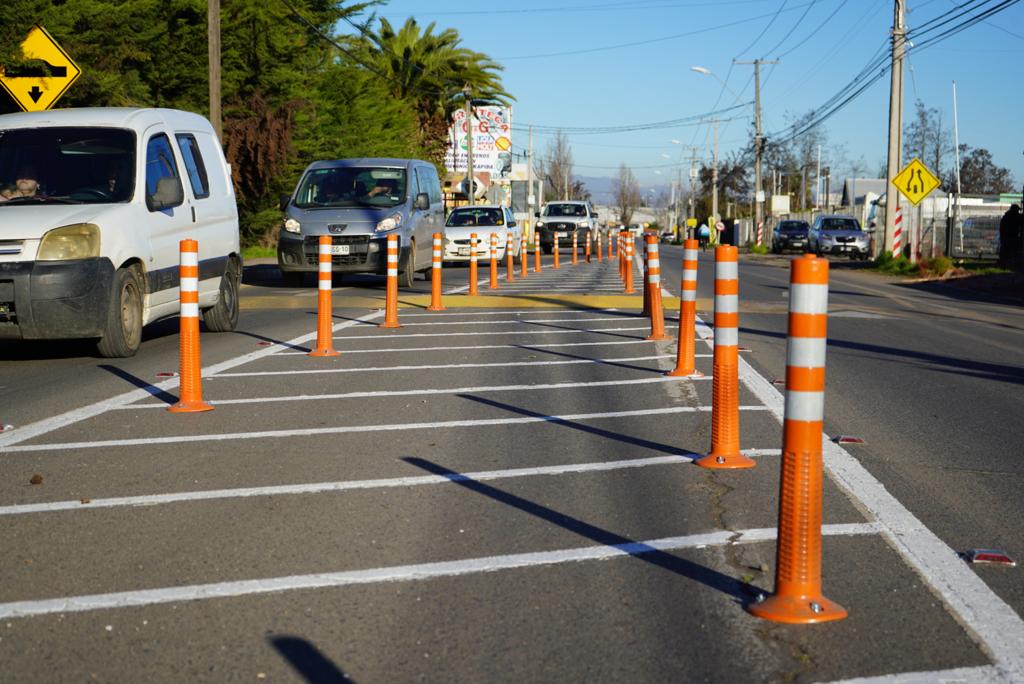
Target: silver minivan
{"x": 359, "y": 203}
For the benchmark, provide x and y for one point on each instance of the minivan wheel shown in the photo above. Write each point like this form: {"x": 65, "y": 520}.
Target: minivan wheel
{"x": 122, "y": 332}
{"x": 407, "y": 271}
{"x": 223, "y": 316}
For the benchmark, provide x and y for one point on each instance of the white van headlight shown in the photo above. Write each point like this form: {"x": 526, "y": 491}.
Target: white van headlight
{"x": 389, "y": 223}
{"x": 292, "y": 226}
{"x": 540, "y": 224}
{"x": 77, "y": 241}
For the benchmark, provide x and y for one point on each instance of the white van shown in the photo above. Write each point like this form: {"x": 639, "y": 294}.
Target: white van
{"x": 92, "y": 209}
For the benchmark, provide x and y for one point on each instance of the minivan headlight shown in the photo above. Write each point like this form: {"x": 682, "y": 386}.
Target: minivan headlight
{"x": 540, "y": 224}
{"x": 292, "y": 226}
{"x": 77, "y": 241}
{"x": 389, "y": 223}
{"x": 584, "y": 224}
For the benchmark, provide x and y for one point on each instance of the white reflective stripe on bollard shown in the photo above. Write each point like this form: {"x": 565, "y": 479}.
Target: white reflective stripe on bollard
{"x": 808, "y": 299}
{"x": 727, "y": 303}
{"x": 804, "y": 406}
{"x": 727, "y": 270}
{"x": 806, "y": 352}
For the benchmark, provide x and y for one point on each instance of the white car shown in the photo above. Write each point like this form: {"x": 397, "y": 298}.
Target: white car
{"x": 93, "y": 205}
{"x": 482, "y": 220}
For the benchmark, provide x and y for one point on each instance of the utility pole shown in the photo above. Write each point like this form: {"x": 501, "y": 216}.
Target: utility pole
{"x": 529, "y": 184}
{"x": 567, "y": 184}
{"x": 213, "y": 64}
{"x": 892, "y": 166}
{"x": 470, "y": 181}
{"x": 817, "y": 181}
{"x": 714, "y": 180}
{"x": 758, "y": 140}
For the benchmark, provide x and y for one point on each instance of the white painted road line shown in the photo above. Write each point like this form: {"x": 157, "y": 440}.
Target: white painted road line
{"x": 349, "y": 485}
{"x": 520, "y": 321}
{"x": 438, "y": 366}
{"x": 346, "y": 429}
{"x": 993, "y": 623}
{"x": 985, "y": 673}
{"x": 477, "y": 389}
{"x": 526, "y": 346}
{"x": 401, "y": 573}
{"x": 510, "y": 333}
{"x": 507, "y": 312}
{"x": 42, "y": 427}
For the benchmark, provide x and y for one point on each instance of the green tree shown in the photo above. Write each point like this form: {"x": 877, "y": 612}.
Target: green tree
{"x": 979, "y": 174}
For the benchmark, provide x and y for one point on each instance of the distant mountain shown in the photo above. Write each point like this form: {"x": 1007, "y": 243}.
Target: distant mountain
{"x": 603, "y": 189}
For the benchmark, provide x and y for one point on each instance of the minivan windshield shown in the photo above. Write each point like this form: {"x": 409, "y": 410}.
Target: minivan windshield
{"x": 793, "y": 225}
{"x": 839, "y": 224}
{"x": 565, "y": 210}
{"x": 66, "y": 165}
{"x": 352, "y": 186}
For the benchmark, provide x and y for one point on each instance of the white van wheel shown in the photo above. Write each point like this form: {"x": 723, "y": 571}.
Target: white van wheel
{"x": 122, "y": 332}
{"x": 223, "y": 316}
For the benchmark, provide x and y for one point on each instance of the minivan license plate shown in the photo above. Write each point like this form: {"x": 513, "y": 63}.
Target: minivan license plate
{"x": 463, "y": 251}
{"x": 339, "y": 249}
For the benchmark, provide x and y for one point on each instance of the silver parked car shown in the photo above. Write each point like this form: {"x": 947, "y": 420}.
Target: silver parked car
{"x": 838, "y": 234}
{"x": 359, "y": 202}
{"x": 482, "y": 220}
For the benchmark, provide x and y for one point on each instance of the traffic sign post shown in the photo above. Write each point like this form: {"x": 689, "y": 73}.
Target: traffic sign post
{"x": 915, "y": 182}
{"x": 38, "y": 87}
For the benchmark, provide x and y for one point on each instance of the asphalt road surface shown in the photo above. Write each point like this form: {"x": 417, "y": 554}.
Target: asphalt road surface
{"x": 504, "y": 491}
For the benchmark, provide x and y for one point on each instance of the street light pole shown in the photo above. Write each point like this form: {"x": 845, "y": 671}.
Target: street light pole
{"x": 758, "y": 140}
{"x": 714, "y": 178}
{"x": 470, "y": 183}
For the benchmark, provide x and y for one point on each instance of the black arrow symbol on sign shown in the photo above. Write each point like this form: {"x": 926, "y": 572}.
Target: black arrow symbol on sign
{"x": 35, "y": 93}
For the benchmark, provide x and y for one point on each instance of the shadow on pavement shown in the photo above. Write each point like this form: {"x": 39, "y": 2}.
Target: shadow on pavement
{"x": 307, "y": 660}
{"x": 156, "y": 392}
{"x": 599, "y": 362}
{"x": 264, "y": 338}
{"x": 990, "y": 371}
{"x": 681, "y": 566}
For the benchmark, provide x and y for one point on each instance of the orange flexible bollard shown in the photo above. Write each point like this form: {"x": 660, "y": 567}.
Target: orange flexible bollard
{"x": 611, "y": 246}
{"x": 599, "y": 257}
{"x": 493, "y": 284}
{"x": 687, "y": 314}
{"x": 536, "y": 253}
{"x": 575, "y": 259}
{"x": 391, "y": 296}
{"x": 510, "y": 260}
{"x": 725, "y": 386}
{"x": 586, "y": 252}
{"x": 647, "y": 272}
{"x": 324, "y": 309}
{"x": 190, "y": 371}
{"x": 628, "y": 268}
{"x": 473, "y": 268}
{"x": 622, "y": 255}
{"x": 524, "y": 253}
{"x": 557, "y": 236}
{"x": 657, "y": 311}
{"x": 435, "y": 275}
{"x": 798, "y": 598}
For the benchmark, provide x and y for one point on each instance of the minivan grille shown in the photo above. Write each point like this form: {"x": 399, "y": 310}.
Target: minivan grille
{"x": 358, "y": 246}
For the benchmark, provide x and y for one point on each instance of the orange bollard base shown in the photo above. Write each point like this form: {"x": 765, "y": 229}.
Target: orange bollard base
{"x": 189, "y": 407}
{"x": 725, "y": 461}
{"x": 797, "y": 610}
{"x": 386, "y": 324}
{"x": 678, "y": 372}
{"x": 439, "y": 307}
{"x": 658, "y": 338}
{"x": 324, "y": 352}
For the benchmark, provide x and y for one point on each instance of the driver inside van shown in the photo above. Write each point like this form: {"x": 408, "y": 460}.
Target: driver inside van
{"x": 384, "y": 187}
{"x": 26, "y": 184}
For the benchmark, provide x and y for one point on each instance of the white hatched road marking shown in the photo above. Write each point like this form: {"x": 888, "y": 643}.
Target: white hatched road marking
{"x": 342, "y": 429}
{"x": 532, "y": 346}
{"x": 349, "y": 485}
{"x": 401, "y": 573}
{"x": 512, "y": 333}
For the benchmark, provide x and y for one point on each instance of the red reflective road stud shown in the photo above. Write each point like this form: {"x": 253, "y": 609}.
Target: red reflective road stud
{"x": 473, "y": 268}
{"x": 798, "y": 598}
{"x": 391, "y": 298}
{"x": 628, "y": 268}
{"x": 657, "y": 312}
{"x": 575, "y": 246}
{"x": 848, "y": 439}
{"x": 435, "y": 275}
{"x": 587, "y": 249}
{"x": 493, "y": 284}
{"x": 524, "y": 254}
{"x": 510, "y": 260}
{"x": 191, "y": 399}
{"x": 725, "y": 385}
{"x": 536, "y": 253}
{"x": 687, "y": 313}
{"x": 324, "y": 308}
{"x": 989, "y": 557}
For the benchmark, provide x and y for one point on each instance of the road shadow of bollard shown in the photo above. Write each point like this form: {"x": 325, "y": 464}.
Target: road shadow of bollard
{"x": 662, "y": 559}
{"x": 312, "y": 665}
{"x": 157, "y": 393}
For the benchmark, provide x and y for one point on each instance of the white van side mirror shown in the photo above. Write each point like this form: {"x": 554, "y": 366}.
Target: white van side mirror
{"x": 422, "y": 201}
{"x": 169, "y": 193}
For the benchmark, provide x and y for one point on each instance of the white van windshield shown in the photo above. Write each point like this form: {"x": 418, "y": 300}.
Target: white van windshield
{"x": 352, "y": 186}
{"x": 565, "y": 210}
{"x": 66, "y": 165}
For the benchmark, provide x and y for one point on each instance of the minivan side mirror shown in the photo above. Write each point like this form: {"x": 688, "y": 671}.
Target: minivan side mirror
{"x": 536, "y": 214}
{"x": 422, "y": 201}
{"x": 169, "y": 193}
{"x": 283, "y": 203}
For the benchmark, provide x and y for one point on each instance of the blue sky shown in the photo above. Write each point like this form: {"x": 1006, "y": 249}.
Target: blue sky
{"x": 649, "y": 79}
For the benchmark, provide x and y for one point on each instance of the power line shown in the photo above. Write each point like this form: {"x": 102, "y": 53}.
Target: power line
{"x": 766, "y": 27}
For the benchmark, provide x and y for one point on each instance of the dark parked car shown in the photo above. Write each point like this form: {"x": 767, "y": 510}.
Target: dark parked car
{"x": 789, "y": 234}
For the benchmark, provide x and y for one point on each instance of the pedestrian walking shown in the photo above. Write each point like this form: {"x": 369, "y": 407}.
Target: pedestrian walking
{"x": 1010, "y": 237}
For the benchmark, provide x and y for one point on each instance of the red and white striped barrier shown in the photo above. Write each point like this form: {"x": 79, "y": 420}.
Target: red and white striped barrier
{"x": 897, "y": 234}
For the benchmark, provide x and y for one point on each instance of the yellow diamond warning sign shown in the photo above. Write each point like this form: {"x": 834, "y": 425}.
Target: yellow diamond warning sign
{"x": 915, "y": 181}
{"x": 47, "y": 71}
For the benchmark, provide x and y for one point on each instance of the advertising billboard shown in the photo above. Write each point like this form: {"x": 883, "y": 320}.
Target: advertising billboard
{"x": 492, "y": 142}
